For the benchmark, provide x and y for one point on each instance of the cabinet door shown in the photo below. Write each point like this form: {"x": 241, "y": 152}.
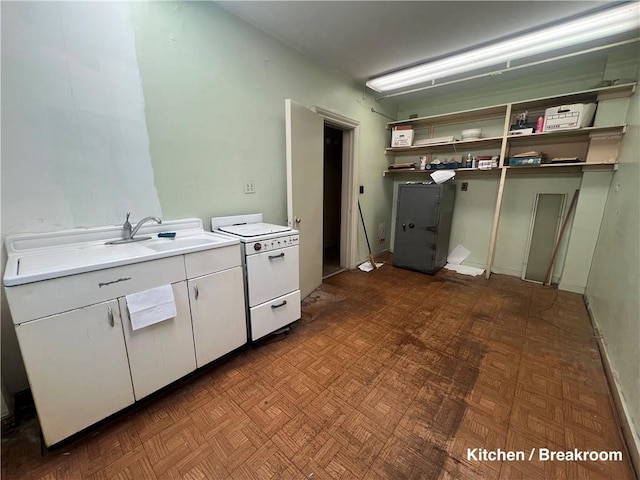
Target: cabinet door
{"x": 272, "y": 273}
{"x": 163, "y": 352}
{"x": 218, "y": 314}
{"x": 77, "y": 367}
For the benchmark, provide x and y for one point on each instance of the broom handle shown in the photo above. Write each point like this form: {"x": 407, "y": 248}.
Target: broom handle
{"x": 373, "y": 264}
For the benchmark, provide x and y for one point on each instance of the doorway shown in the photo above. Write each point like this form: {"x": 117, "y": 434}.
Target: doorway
{"x": 342, "y": 209}
{"x": 332, "y": 201}
{"x": 304, "y": 130}
{"x": 543, "y": 233}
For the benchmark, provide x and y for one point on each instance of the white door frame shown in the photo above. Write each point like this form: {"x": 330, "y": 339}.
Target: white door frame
{"x": 350, "y": 154}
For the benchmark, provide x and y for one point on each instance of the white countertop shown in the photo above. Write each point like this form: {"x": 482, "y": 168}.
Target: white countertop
{"x": 36, "y": 257}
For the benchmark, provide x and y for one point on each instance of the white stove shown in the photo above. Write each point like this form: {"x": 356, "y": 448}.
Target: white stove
{"x": 270, "y": 264}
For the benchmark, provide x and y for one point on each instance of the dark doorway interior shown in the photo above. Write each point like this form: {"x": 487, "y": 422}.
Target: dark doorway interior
{"x": 332, "y": 205}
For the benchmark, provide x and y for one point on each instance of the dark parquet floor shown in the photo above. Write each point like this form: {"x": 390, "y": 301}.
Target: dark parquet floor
{"x": 389, "y": 375}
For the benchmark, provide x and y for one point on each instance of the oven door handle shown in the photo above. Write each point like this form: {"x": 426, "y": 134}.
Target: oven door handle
{"x": 284, "y": 302}
{"x": 273, "y": 257}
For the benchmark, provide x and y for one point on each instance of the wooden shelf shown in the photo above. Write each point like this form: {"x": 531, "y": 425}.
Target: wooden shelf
{"x": 576, "y": 166}
{"x": 462, "y": 116}
{"x": 495, "y": 111}
{"x": 416, "y": 171}
{"x": 581, "y": 96}
{"x": 488, "y": 142}
{"x": 552, "y": 136}
{"x": 530, "y": 169}
{"x": 600, "y": 144}
{"x": 460, "y": 144}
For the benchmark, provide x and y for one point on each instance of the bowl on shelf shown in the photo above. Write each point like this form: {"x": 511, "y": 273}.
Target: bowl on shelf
{"x": 471, "y": 134}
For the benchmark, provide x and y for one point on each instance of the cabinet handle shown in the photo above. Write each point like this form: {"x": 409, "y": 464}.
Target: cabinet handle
{"x": 105, "y": 284}
{"x": 284, "y": 302}
{"x": 196, "y": 291}
{"x": 272, "y": 257}
{"x": 110, "y": 315}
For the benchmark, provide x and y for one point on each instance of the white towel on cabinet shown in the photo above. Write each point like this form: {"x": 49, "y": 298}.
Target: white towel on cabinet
{"x": 151, "y": 306}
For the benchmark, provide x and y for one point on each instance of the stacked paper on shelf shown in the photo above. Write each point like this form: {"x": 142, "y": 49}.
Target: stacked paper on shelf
{"x": 401, "y": 166}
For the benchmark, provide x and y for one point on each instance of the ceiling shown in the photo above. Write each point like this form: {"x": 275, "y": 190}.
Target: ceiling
{"x": 363, "y": 39}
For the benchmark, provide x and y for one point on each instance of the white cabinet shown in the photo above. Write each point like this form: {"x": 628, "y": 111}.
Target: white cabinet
{"x": 83, "y": 359}
{"x": 161, "y": 353}
{"x": 218, "y": 314}
{"x": 77, "y": 367}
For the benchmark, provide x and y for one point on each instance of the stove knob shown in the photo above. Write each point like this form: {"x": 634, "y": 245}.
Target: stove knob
{"x": 257, "y": 246}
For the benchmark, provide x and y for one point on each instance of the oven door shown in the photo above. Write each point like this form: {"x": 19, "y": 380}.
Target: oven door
{"x": 272, "y": 274}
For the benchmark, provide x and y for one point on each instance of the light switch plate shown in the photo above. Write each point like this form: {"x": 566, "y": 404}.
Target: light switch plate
{"x": 250, "y": 186}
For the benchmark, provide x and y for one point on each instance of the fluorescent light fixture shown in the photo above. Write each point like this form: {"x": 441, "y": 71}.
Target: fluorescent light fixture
{"x": 603, "y": 24}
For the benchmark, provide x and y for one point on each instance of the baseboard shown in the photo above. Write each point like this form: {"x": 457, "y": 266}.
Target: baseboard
{"x": 382, "y": 252}
{"x": 503, "y": 270}
{"x": 375, "y": 255}
{"x": 474, "y": 264}
{"x": 624, "y": 418}
{"x": 572, "y": 288}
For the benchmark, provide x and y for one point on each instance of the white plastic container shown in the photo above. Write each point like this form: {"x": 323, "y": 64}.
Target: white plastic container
{"x": 471, "y": 134}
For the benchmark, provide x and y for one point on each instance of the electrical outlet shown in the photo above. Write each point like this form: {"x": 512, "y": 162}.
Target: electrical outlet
{"x": 250, "y": 186}
{"x": 464, "y": 186}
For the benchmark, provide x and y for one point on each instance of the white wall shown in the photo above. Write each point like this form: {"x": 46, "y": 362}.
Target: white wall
{"x": 215, "y": 89}
{"x": 75, "y": 149}
{"x": 515, "y": 217}
{"x": 614, "y": 278}
{"x": 473, "y": 215}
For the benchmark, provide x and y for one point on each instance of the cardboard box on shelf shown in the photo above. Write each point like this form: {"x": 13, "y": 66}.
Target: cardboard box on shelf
{"x": 401, "y": 138}
{"x": 568, "y": 117}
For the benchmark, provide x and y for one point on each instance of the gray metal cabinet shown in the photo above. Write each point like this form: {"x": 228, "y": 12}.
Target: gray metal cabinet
{"x": 423, "y": 226}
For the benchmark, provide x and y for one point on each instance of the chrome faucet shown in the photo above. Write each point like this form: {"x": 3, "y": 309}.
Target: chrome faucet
{"x": 128, "y": 232}
{"x": 131, "y": 232}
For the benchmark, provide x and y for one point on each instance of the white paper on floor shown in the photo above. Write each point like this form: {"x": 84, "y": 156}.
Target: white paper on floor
{"x": 367, "y": 267}
{"x": 458, "y": 255}
{"x": 464, "y": 269}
